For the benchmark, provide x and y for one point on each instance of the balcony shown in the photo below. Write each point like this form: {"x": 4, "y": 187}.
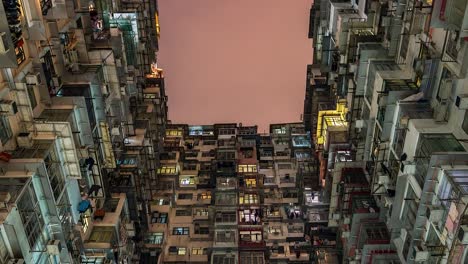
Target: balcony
{"x": 295, "y": 230}
{"x": 250, "y": 217}
{"x": 251, "y": 238}
{"x": 287, "y": 181}
{"x": 225, "y": 239}
{"x": 288, "y": 251}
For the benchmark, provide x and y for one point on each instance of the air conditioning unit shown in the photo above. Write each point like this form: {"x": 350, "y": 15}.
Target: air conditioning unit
{"x": 33, "y": 79}
{"x": 5, "y": 198}
{"x": 122, "y": 90}
{"x": 104, "y": 89}
{"x": 441, "y": 111}
{"x": 8, "y": 107}
{"x": 445, "y": 89}
{"x": 4, "y": 48}
{"x": 434, "y": 213}
{"x": 409, "y": 167}
{"x": 420, "y": 253}
{"x": 54, "y": 247}
{"x": 16, "y": 261}
{"x": 383, "y": 179}
{"x": 25, "y": 140}
{"x": 462, "y": 102}
{"x": 359, "y": 123}
{"x": 463, "y": 234}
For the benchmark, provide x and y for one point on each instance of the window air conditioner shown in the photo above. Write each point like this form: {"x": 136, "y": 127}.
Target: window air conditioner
{"x": 440, "y": 111}
{"x": 462, "y": 102}
{"x": 8, "y": 107}
{"x": 4, "y": 47}
{"x": 445, "y": 89}
{"x": 420, "y": 253}
{"x": 434, "y": 213}
{"x": 54, "y": 247}
{"x": 33, "y": 79}
{"x": 25, "y": 140}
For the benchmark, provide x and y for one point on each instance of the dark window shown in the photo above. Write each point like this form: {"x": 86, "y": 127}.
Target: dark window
{"x": 183, "y": 213}
{"x": 185, "y": 196}
{"x": 5, "y": 129}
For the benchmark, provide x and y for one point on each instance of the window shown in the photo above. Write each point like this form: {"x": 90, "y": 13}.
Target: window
{"x": 174, "y": 132}
{"x": 249, "y": 216}
{"x": 226, "y": 217}
{"x": 248, "y": 198}
{"x": 201, "y": 230}
{"x": 5, "y": 129}
{"x": 181, "y": 251}
{"x": 185, "y": 196}
{"x": 205, "y": 195}
{"x": 250, "y": 183}
{"x": 209, "y": 142}
{"x": 279, "y": 131}
{"x": 227, "y": 131}
{"x": 276, "y": 230}
{"x": 410, "y": 207}
{"x": 201, "y": 212}
{"x": 179, "y": 231}
{"x": 154, "y": 238}
{"x": 198, "y": 251}
{"x": 160, "y": 218}
{"x": 225, "y": 236}
{"x": 190, "y": 166}
{"x": 187, "y": 180}
{"x": 226, "y": 198}
{"x": 183, "y": 213}
{"x": 191, "y": 154}
{"x": 57, "y": 181}
{"x": 247, "y": 168}
{"x": 284, "y": 166}
{"x": 208, "y": 154}
{"x": 251, "y": 236}
{"x": 167, "y": 170}
{"x": 32, "y": 96}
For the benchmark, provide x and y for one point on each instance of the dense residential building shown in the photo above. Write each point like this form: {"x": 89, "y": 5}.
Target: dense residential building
{"x": 83, "y": 109}
{"x": 92, "y": 170}
{"x": 386, "y": 107}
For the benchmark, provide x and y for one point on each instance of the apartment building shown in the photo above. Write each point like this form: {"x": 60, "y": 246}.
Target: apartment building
{"x": 385, "y": 105}
{"x": 82, "y": 114}
{"x": 231, "y": 195}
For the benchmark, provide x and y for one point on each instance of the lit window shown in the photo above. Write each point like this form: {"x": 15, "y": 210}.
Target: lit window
{"x": 251, "y": 183}
{"x": 187, "y": 181}
{"x": 247, "y": 168}
{"x": 205, "y": 195}
{"x": 198, "y": 251}
{"x": 201, "y": 212}
{"x": 251, "y": 236}
{"x": 181, "y": 251}
{"x": 154, "y": 238}
{"x": 173, "y": 132}
{"x": 167, "y": 170}
{"x": 248, "y": 199}
{"x": 180, "y": 231}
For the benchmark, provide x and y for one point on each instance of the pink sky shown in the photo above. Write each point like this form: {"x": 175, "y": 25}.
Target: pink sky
{"x": 235, "y": 60}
